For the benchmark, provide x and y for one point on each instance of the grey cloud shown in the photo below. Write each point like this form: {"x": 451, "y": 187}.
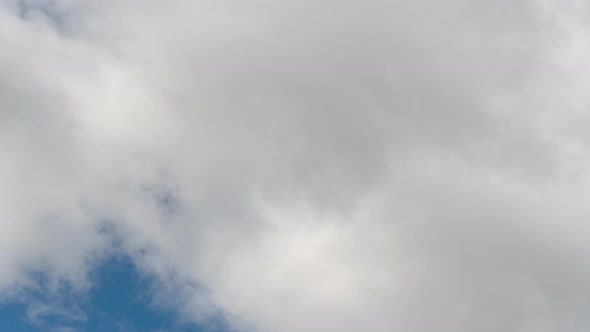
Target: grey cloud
{"x": 306, "y": 166}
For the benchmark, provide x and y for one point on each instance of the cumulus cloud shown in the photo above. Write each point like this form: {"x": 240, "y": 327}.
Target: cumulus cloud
{"x": 303, "y": 165}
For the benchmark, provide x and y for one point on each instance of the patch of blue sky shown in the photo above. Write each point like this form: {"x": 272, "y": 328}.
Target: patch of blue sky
{"x": 119, "y": 301}
{"x": 50, "y": 12}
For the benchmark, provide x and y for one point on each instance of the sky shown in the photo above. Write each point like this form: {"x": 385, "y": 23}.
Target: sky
{"x": 119, "y": 301}
{"x": 294, "y": 165}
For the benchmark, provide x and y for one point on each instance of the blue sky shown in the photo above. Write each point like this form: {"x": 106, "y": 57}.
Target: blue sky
{"x": 119, "y": 301}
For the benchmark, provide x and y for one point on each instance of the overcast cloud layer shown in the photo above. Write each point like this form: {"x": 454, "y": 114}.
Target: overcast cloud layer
{"x": 304, "y": 165}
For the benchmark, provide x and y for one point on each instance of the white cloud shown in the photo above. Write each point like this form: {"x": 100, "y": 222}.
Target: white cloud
{"x": 304, "y": 165}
